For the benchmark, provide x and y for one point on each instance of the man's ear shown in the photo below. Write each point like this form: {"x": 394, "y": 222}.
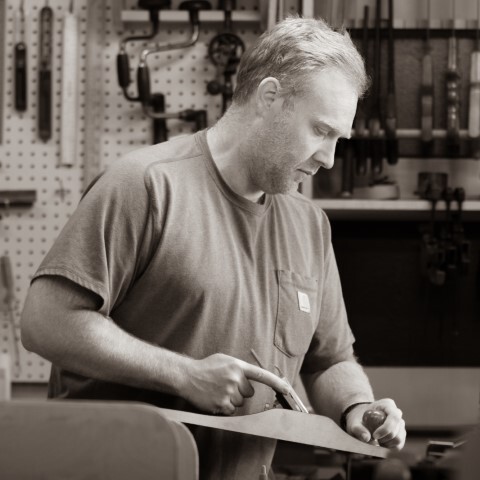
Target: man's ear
{"x": 268, "y": 92}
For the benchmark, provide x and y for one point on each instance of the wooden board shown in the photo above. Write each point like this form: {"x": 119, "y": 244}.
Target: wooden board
{"x": 287, "y": 425}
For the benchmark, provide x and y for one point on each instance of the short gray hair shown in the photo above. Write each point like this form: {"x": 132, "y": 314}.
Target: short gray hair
{"x": 294, "y": 49}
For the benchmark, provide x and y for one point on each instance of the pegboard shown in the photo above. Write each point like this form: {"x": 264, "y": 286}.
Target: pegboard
{"x": 109, "y": 127}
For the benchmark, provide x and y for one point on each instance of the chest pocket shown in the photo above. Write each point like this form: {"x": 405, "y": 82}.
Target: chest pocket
{"x": 296, "y": 313}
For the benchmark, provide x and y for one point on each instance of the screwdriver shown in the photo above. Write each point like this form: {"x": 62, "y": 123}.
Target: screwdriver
{"x": 474, "y": 103}
{"x": 453, "y": 103}
{"x": 20, "y": 60}
{"x": 426, "y": 93}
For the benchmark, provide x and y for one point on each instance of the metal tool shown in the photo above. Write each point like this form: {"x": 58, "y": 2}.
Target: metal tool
{"x": 2, "y": 61}
{"x": 123, "y": 64}
{"x": 225, "y": 50}
{"x": 360, "y": 124}
{"x": 290, "y": 401}
{"x": 143, "y": 72}
{"x": 374, "y": 123}
{"x": 453, "y": 99}
{"x": 391, "y": 113}
{"x": 20, "y": 60}
{"x": 45, "y": 73}
{"x": 474, "y": 97}
{"x": 7, "y": 303}
{"x": 463, "y": 245}
{"x": 426, "y": 92}
{"x": 69, "y": 89}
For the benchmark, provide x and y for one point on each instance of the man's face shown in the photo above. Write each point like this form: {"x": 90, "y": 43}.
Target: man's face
{"x": 293, "y": 143}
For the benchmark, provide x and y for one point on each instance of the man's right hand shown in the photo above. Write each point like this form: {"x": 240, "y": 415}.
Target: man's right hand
{"x": 219, "y": 383}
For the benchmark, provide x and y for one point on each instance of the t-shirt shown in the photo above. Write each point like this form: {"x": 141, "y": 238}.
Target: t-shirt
{"x": 182, "y": 261}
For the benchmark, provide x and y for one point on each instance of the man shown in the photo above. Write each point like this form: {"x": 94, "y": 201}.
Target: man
{"x": 186, "y": 255}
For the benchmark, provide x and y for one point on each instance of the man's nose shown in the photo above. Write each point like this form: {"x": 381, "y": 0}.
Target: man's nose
{"x": 325, "y": 155}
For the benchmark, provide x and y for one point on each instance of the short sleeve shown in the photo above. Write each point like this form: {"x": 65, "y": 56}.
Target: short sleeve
{"x": 333, "y": 339}
{"x": 105, "y": 243}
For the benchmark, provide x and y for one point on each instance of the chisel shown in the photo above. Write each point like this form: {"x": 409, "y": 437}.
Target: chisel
{"x": 426, "y": 93}
{"x": 391, "y": 114}
{"x": 20, "y": 60}
{"x": 453, "y": 103}
{"x": 360, "y": 124}
{"x": 69, "y": 89}
{"x": 45, "y": 74}
{"x": 374, "y": 123}
{"x": 474, "y": 97}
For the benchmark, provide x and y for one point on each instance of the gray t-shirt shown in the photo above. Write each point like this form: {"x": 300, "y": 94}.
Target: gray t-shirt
{"x": 180, "y": 260}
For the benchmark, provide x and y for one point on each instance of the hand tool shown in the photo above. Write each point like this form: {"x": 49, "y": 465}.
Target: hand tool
{"x": 143, "y": 72}
{"x": 391, "y": 113}
{"x": 348, "y": 168}
{"x": 474, "y": 97}
{"x": 2, "y": 60}
{"x": 348, "y": 164}
{"x": 6, "y": 278}
{"x": 453, "y": 99}
{"x": 447, "y": 233}
{"x": 123, "y": 65}
{"x": 20, "y": 60}
{"x": 290, "y": 401}
{"x": 282, "y": 424}
{"x": 374, "y": 123}
{"x": 69, "y": 89}
{"x": 45, "y": 73}
{"x": 224, "y": 51}
{"x": 463, "y": 245}
{"x": 426, "y": 92}
{"x": 360, "y": 124}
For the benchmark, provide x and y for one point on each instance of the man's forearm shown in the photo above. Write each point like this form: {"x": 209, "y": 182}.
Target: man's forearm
{"x": 332, "y": 391}
{"x": 60, "y": 324}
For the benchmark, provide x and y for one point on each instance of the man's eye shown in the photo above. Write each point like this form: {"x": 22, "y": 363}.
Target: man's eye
{"x": 321, "y": 133}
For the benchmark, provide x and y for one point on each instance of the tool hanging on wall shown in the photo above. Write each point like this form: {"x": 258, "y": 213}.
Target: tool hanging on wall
{"x": 69, "y": 89}
{"x": 2, "y": 61}
{"x": 44, "y": 119}
{"x": 426, "y": 92}
{"x": 374, "y": 123}
{"x": 391, "y": 113}
{"x": 474, "y": 97}
{"x": 153, "y": 104}
{"x": 360, "y": 124}
{"x": 20, "y": 60}
{"x": 225, "y": 50}
{"x": 7, "y": 304}
{"x": 348, "y": 164}
{"x": 123, "y": 64}
{"x": 453, "y": 98}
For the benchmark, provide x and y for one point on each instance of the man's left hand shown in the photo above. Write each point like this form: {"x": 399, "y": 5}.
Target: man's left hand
{"x": 391, "y": 434}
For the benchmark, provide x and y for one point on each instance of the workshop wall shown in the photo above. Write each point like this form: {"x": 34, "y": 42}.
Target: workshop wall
{"x": 109, "y": 126}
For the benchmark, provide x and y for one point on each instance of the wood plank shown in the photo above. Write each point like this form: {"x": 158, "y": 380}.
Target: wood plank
{"x": 287, "y": 425}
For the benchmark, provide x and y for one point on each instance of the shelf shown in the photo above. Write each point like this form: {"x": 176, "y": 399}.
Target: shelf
{"x": 406, "y": 209}
{"x": 181, "y": 16}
